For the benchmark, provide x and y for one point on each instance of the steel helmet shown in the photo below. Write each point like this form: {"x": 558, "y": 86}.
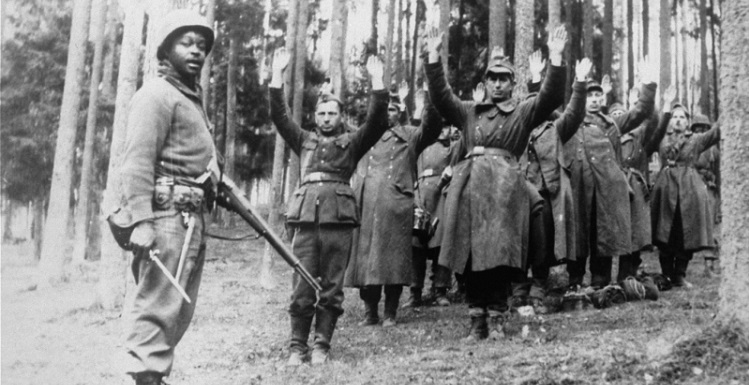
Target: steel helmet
{"x": 181, "y": 20}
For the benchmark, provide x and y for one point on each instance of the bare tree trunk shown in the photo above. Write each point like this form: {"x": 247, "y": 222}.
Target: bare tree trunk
{"x": 231, "y": 105}
{"x": 445, "y": 26}
{"x": 420, "y": 12}
{"x": 704, "y": 70}
{"x": 608, "y": 37}
{"x": 734, "y": 303}
{"x": 665, "y": 34}
{"x": 645, "y": 28}
{"x": 498, "y": 25}
{"x": 113, "y": 267}
{"x": 338, "y": 46}
{"x": 398, "y": 65}
{"x": 555, "y": 16}
{"x": 99, "y": 16}
{"x": 587, "y": 28}
{"x": 205, "y": 73}
{"x": 56, "y": 237}
{"x": 524, "y": 28}
{"x": 630, "y": 48}
{"x": 389, "y": 44}
{"x": 37, "y": 227}
{"x": 300, "y": 61}
{"x": 373, "y": 40}
{"x": 107, "y": 80}
{"x": 684, "y": 57}
{"x": 716, "y": 83}
{"x": 275, "y": 217}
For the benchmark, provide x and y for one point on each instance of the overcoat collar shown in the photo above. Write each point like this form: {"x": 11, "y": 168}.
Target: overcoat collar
{"x": 492, "y": 109}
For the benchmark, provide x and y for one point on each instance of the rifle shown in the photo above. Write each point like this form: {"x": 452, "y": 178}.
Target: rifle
{"x": 231, "y": 197}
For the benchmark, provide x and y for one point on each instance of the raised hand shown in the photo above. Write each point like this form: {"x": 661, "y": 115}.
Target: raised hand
{"x": 648, "y": 71}
{"x": 606, "y": 84}
{"x": 669, "y": 96}
{"x": 634, "y": 96}
{"x": 326, "y": 88}
{"x": 403, "y": 91}
{"x": 434, "y": 42}
{"x": 419, "y": 99}
{"x": 280, "y": 62}
{"x": 376, "y": 69}
{"x": 479, "y": 93}
{"x": 582, "y": 69}
{"x": 557, "y": 42}
{"x": 536, "y": 65}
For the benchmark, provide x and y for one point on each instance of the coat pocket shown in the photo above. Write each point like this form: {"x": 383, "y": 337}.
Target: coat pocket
{"x": 346, "y": 205}
{"x": 295, "y": 204}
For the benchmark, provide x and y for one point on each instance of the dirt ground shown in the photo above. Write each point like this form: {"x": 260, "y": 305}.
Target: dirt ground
{"x": 240, "y": 330}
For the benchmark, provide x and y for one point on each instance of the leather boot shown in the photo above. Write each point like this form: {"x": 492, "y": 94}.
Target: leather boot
{"x": 325, "y": 322}
{"x": 680, "y": 273}
{"x": 392, "y": 298}
{"x": 414, "y": 299}
{"x": 300, "y": 327}
{"x": 496, "y": 325}
{"x": 479, "y": 329}
{"x": 625, "y": 268}
{"x": 148, "y": 378}
{"x": 666, "y": 260}
{"x": 370, "y": 314}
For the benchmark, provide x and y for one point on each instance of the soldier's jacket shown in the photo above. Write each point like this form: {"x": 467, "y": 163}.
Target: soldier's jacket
{"x": 488, "y": 203}
{"x": 679, "y": 186}
{"x": 545, "y": 159}
{"x": 384, "y": 185}
{"x": 167, "y": 136}
{"x": 327, "y": 201}
{"x": 594, "y": 158}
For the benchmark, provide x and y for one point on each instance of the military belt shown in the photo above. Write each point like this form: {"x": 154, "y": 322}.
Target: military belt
{"x": 481, "y": 151}
{"x": 430, "y": 172}
{"x": 315, "y": 177}
{"x": 168, "y": 195}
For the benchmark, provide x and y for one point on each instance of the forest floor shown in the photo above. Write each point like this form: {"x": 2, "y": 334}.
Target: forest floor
{"x": 240, "y": 330}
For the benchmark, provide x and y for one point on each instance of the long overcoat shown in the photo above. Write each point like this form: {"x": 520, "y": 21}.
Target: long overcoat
{"x": 488, "y": 202}
{"x": 594, "y": 158}
{"x": 384, "y": 186}
{"x": 680, "y": 187}
{"x": 428, "y": 192}
{"x": 545, "y": 171}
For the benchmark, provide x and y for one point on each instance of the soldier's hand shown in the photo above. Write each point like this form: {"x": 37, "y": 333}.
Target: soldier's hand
{"x": 143, "y": 236}
{"x": 634, "y": 96}
{"x": 403, "y": 91}
{"x": 280, "y": 62}
{"x": 376, "y": 70}
{"x": 419, "y": 99}
{"x": 479, "y": 93}
{"x": 557, "y": 42}
{"x": 434, "y": 42}
{"x": 536, "y": 65}
{"x": 668, "y": 98}
{"x": 582, "y": 69}
{"x": 606, "y": 84}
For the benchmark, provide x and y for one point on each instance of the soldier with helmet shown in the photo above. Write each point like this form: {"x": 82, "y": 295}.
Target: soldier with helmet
{"x": 168, "y": 147}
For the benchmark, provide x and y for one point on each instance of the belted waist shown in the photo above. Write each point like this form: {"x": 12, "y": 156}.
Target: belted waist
{"x": 673, "y": 163}
{"x": 318, "y": 176}
{"x": 167, "y": 196}
{"x": 428, "y": 173}
{"x": 481, "y": 151}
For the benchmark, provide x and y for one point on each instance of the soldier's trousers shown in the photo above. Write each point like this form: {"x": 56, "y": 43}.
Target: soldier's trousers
{"x": 540, "y": 253}
{"x": 441, "y": 275}
{"x": 324, "y": 251}
{"x": 600, "y": 265}
{"x": 673, "y": 258}
{"x": 158, "y": 316}
{"x": 488, "y": 289}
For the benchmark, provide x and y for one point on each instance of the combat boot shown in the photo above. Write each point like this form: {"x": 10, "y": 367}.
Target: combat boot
{"x": 300, "y": 327}
{"x": 479, "y": 329}
{"x": 148, "y": 378}
{"x": 370, "y": 314}
{"x": 496, "y": 325}
{"x": 414, "y": 300}
{"x": 325, "y": 322}
{"x": 680, "y": 273}
{"x": 440, "y": 297}
{"x": 392, "y": 297}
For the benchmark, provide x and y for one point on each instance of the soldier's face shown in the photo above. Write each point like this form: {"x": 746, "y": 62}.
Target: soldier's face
{"x": 328, "y": 117}
{"x": 498, "y": 86}
{"x": 617, "y": 113}
{"x": 593, "y": 101}
{"x": 394, "y": 114}
{"x": 187, "y": 54}
{"x": 679, "y": 120}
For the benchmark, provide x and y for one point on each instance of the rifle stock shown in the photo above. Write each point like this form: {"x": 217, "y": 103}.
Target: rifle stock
{"x": 233, "y": 198}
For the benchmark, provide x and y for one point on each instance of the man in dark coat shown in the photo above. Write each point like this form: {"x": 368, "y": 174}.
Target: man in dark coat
{"x": 682, "y": 217}
{"x": 323, "y": 210}
{"x": 381, "y": 256}
{"x": 488, "y": 202}
{"x": 600, "y": 186}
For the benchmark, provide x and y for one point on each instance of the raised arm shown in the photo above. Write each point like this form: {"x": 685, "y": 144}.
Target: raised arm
{"x": 279, "y": 111}
{"x": 450, "y": 106}
{"x": 376, "y": 124}
{"x": 652, "y": 142}
{"x": 574, "y": 113}
{"x": 430, "y": 128}
{"x": 708, "y": 139}
{"x": 644, "y": 107}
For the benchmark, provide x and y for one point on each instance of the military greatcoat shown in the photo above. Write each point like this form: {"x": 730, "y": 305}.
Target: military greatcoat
{"x": 384, "y": 186}
{"x": 488, "y": 203}
{"x": 594, "y": 157}
{"x": 680, "y": 187}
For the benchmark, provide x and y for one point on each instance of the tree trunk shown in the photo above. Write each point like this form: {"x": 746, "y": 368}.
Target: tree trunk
{"x": 608, "y": 37}
{"x": 714, "y": 45}
{"x": 81, "y": 222}
{"x": 734, "y": 303}
{"x": 704, "y": 70}
{"x": 497, "y": 25}
{"x": 665, "y": 34}
{"x": 107, "y": 80}
{"x": 389, "y": 44}
{"x": 398, "y": 62}
{"x": 338, "y": 46}
{"x": 445, "y": 27}
{"x": 113, "y": 267}
{"x": 54, "y": 246}
{"x": 205, "y": 73}
{"x": 645, "y": 28}
{"x": 418, "y": 18}
{"x": 37, "y": 227}
{"x": 300, "y": 61}
{"x": 374, "y": 44}
{"x": 524, "y": 23}
{"x": 630, "y": 48}
{"x": 231, "y": 105}
{"x": 588, "y": 28}
{"x": 555, "y": 16}
{"x": 275, "y": 216}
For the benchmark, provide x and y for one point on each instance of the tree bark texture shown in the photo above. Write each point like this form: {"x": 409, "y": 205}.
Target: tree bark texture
{"x": 734, "y": 96}
{"x": 714, "y": 47}
{"x": 645, "y": 28}
{"x": 497, "y": 25}
{"x": 704, "y": 70}
{"x": 524, "y": 29}
{"x": 338, "y": 46}
{"x": 300, "y": 62}
{"x": 398, "y": 61}
{"x": 99, "y": 15}
{"x": 113, "y": 266}
{"x": 445, "y": 27}
{"x": 630, "y": 47}
{"x": 205, "y": 73}
{"x": 665, "y": 35}
{"x": 389, "y": 44}
{"x": 555, "y": 13}
{"x": 54, "y": 246}
{"x": 608, "y": 37}
{"x": 230, "y": 153}
{"x": 588, "y": 28}
{"x": 107, "y": 80}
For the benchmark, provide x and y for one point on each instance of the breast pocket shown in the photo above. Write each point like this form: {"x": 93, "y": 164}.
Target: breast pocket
{"x": 346, "y": 205}
{"x": 295, "y": 204}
